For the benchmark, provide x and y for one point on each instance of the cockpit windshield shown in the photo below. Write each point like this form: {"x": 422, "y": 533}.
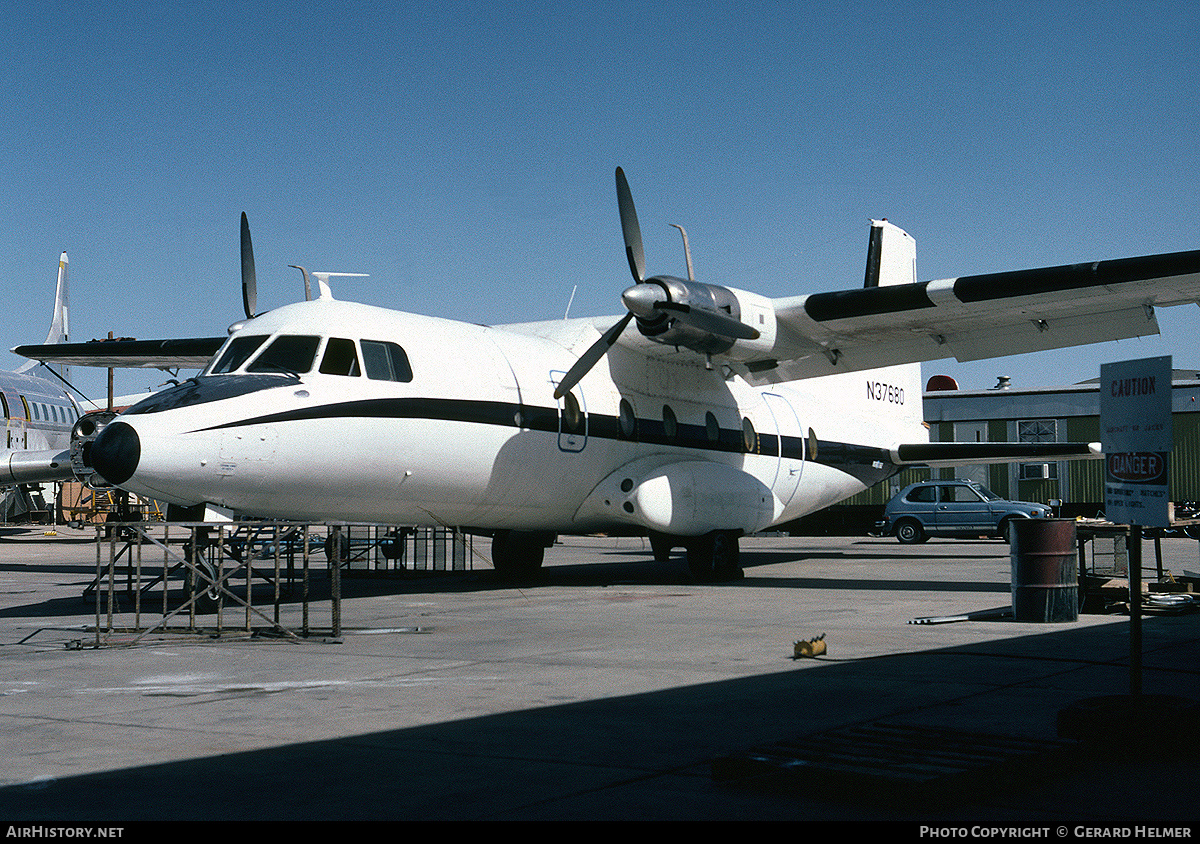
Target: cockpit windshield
{"x": 237, "y": 351}
{"x": 288, "y": 353}
{"x": 295, "y": 354}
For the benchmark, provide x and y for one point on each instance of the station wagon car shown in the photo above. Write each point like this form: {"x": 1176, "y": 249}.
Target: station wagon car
{"x": 953, "y": 508}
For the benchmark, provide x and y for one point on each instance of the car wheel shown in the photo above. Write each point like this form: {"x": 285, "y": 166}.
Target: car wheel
{"x": 1006, "y": 530}
{"x": 910, "y": 532}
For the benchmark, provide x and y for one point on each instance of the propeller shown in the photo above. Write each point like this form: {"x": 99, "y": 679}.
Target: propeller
{"x": 649, "y": 300}
{"x": 630, "y": 229}
{"x": 249, "y": 284}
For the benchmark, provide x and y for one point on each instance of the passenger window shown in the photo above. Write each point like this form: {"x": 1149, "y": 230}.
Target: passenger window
{"x": 626, "y": 420}
{"x": 237, "y": 352}
{"x": 749, "y": 436}
{"x": 385, "y": 361}
{"x": 4, "y": 405}
{"x": 572, "y": 414}
{"x": 340, "y": 358}
{"x": 670, "y": 423}
{"x": 287, "y": 353}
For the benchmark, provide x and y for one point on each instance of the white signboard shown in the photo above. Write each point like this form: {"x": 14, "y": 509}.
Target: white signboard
{"x": 1135, "y": 430}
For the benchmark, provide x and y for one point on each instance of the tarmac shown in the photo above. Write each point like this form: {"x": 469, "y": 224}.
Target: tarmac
{"x": 613, "y": 688}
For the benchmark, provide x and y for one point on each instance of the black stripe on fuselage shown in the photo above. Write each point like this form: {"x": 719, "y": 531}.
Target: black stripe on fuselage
{"x": 864, "y": 462}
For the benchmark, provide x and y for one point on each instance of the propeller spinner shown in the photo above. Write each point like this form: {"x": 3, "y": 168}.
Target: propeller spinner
{"x": 668, "y": 310}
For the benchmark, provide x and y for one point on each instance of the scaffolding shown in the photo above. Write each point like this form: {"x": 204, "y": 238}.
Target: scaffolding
{"x": 255, "y": 577}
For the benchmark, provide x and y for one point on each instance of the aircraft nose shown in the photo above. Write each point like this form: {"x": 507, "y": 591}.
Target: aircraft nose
{"x": 116, "y": 452}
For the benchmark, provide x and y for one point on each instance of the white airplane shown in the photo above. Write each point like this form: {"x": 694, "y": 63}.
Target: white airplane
{"x": 723, "y": 414}
{"x": 38, "y": 411}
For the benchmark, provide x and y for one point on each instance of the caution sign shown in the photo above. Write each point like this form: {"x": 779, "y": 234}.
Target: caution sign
{"x": 1135, "y": 429}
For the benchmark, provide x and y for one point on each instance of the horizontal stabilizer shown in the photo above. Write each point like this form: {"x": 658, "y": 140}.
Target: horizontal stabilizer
{"x": 961, "y": 454}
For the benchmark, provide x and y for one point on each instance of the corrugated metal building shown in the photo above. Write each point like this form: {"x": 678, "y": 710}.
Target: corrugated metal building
{"x": 1046, "y": 414}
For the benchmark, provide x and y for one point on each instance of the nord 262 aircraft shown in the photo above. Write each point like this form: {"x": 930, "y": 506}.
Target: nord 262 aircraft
{"x": 722, "y": 413}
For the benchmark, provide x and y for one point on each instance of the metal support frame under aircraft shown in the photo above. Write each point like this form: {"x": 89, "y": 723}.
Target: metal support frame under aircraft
{"x": 724, "y": 413}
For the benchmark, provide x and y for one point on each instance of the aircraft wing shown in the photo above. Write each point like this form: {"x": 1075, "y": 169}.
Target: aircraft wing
{"x": 192, "y": 353}
{"x": 974, "y": 317}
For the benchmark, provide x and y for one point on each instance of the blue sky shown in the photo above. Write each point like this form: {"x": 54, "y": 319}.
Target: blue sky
{"x": 463, "y": 153}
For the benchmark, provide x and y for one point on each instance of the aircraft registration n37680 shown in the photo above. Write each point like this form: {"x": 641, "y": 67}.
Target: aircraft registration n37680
{"x": 725, "y": 412}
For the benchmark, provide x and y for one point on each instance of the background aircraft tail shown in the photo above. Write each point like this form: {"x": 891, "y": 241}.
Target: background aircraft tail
{"x": 60, "y": 322}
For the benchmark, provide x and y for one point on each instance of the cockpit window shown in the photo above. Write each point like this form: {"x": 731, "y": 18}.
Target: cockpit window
{"x": 237, "y": 352}
{"x": 385, "y": 361}
{"x": 340, "y": 358}
{"x": 287, "y": 353}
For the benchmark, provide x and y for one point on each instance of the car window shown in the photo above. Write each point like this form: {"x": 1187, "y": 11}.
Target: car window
{"x": 923, "y": 495}
{"x": 959, "y": 494}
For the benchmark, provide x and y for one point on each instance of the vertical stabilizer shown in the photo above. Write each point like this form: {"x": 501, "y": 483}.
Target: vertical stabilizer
{"x": 60, "y": 328}
{"x": 891, "y": 256}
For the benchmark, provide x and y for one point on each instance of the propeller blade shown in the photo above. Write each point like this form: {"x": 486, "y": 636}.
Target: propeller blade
{"x": 630, "y": 228}
{"x": 249, "y": 284}
{"x": 713, "y": 322}
{"x": 589, "y": 358}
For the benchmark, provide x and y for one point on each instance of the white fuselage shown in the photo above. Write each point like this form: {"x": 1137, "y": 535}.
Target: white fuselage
{"x": 476, "y": 439}
{"x": 38, "y": 416}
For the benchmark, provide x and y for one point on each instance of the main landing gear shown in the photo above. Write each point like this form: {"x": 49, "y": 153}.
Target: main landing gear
{"x": 517, "y": 554}
{"x": 711, "y": 558}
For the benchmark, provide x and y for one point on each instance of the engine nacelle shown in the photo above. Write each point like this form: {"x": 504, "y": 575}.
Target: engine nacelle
{"x": 663, "y": 316}
{"x": 85, "y": 431}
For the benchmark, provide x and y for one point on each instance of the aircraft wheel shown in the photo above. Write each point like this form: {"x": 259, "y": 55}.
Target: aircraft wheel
{"x": 661, "y": 545}
{"x": 518, "y": 555}
{"x": 910, "y": 532}
{"x": 713, "y": 558}
{"x": 194, "y": 582}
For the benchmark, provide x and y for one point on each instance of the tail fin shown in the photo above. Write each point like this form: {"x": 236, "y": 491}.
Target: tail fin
{"x": 891, "y": 256}
{"x": 60, "y": 323}
{"x": 891, "y": 260}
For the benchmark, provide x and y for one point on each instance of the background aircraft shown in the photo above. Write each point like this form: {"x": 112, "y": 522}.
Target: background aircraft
{"x": 38, "y": 414}
{"x": 724, "y": 413}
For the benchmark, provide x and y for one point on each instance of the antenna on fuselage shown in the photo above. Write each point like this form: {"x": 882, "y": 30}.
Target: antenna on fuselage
{"x": 687, "y": 252}
{"x": 307, "y": 286}
{"x": 323, "y": 281}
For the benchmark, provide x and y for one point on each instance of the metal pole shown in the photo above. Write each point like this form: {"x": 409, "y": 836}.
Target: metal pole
{"x": 1135, "y": 610}
{"x": 335, "y": 583}
{"x": 99, "y": 535}
{"x": 304, "y": 593}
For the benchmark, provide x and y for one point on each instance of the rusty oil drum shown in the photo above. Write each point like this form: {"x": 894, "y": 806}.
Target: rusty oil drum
{"x": 1045, "y": 570}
